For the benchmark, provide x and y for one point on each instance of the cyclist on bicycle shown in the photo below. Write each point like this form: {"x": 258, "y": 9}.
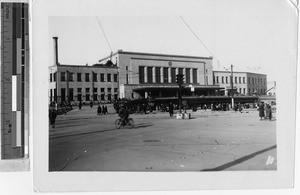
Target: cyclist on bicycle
{"x": 124, "y": 114}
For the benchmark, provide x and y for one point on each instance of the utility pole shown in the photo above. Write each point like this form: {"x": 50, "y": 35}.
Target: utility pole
{"x": 231, "y": 83}
{"x": 179, "y": 81}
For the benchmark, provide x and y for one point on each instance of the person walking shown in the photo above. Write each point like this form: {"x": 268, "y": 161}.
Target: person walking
{"x": 171, "y": 109}
{"x": 80, "y": 104}
{"x": 261, "y": 110}
{"x": 52, "y": 116}
{"x": 268, "y": 111}
{"x": 106, "y": 111}
{"x": 103, "y": 110}
{"x": 99, "y": 110}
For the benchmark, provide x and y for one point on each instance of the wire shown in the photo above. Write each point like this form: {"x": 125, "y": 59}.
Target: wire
{"x": 104, "y": 34}
{"x": 196, "y": 36}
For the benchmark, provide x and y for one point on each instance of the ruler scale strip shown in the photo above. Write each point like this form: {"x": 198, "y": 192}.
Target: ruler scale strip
{"x": 14, "y": 73}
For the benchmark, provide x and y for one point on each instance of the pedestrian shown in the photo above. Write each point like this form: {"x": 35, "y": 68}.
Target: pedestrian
{"x": 261, "y": 110}
{"x": 103, "y": 110}
{"x": 106, "y": 111}
{"x": 240, "y": 107}
{"x": 268, "y": 111}
{"x": 171, "y": 109}
{"x": 80, "y": 104}
{"x": 99, "y": 110}
{"x": 52, "y": 116}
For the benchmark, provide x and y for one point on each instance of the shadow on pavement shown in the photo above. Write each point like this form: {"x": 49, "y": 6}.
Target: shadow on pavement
{"x": 240, "y": 160}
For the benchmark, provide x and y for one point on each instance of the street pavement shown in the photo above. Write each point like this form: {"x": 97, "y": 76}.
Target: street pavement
{"x": 210, "y": 141}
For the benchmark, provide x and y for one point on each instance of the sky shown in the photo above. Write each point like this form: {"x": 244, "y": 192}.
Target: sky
{"x": 253, "y": 36}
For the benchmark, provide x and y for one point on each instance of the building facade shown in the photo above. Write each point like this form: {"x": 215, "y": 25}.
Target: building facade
{"x": 244, "y": 83}
{"x": 71, "y": 83}
{"x": 154, "y": 75}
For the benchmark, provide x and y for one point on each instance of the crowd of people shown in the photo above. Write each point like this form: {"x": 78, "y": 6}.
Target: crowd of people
{"x": 265, "y": 111}
{"x": 142, "y": 107}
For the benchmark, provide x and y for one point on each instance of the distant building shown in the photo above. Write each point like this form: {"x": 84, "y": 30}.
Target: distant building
{"x": 244, "y": 83}
{"x": 147, "y": 74}
{"x": 97, "y": 83}
{"x": 134, "y": 75}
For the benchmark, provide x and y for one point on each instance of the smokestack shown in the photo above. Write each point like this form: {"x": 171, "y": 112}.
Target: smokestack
{"x": 55, "y": 50}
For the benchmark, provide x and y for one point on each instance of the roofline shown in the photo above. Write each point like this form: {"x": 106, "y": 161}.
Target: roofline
{"x": 154, "y": 54}
{"x": 223, "y": 71}
{"x": 82, "y": 66}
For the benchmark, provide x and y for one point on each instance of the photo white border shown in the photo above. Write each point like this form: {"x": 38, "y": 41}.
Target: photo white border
{"x": 115, "y": 181}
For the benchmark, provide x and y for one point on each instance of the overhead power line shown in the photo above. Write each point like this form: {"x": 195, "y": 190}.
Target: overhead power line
{"x": 104, "y": 34}
{"x": 196, "y": 35}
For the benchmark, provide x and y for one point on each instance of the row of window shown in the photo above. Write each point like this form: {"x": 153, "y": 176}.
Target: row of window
{"x": 239, "y": 80}
{"x": 70, "y": 76}
{"x": 227, "y": 79}
{"x": 162, "y": 74}
{"x": 88, "y": 97}
{"x": 250, "y": 91}
{"x": 95, "y": 90}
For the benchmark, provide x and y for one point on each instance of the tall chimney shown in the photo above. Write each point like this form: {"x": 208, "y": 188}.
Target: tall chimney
{"x": 55, "y": 50}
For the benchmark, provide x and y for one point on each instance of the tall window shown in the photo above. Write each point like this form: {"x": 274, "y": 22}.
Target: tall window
{"x": 249, "y": 81}
{"x": 173, "y": 75}
{"x": 244, "y": 81}
{"x": 217, "y": 79}
{"x": 94, "y": 77}
{"x": 222, "y": 79}
{"x": 149, "y": 74}
{"x": 127, "y": 79}
{"x": 244, "y": 91}
{"x": 71, "y": 76}
{"x": 95, "y": 90}
{"x": 78, "y": 90}
{"x": 63, "y": 94}
{"x": 166, "y": 74}
{"x": 108, "y": 90}
{"x": 50, "y": 77}
{"x": 71, "y": 94}
{"x": 116, "y": 90}
{"x": 180, "y": 70}
{"x": 187, "y": 75}
{"x": 102, "y": 77}
{"x": 226, "y": 78}
{"x": 235, "y": 79}
{"x": 87, "y": 77}
{"x": 195, "y": 75}
{"x": 102, "y": 97}
{"x": 115, "y": 77}
{"x": 87, "y": 90}
{"x": 79, "y": 77}
{"x": 108, "y": 77}
{"x": 141, "y": 74}
{"x": 62, "y": 76}
{"x": 54, "y": 76}
{"x": 157, "y": 74}
{"x": 102, "y": 90}
{"x": 240, "y": 80}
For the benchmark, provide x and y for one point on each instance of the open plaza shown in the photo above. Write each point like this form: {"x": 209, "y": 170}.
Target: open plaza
{"x": 209, "y": 141}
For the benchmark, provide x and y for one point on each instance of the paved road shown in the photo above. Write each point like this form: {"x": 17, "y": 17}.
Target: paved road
{"x": 210, "y": 141}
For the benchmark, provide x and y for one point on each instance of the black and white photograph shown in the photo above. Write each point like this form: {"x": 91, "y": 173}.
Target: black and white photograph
{"x": 195, "y": 87}
{"x": 159, "y": 102}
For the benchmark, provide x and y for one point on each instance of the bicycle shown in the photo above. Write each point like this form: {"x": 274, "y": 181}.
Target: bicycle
{"x": 119, "y": 124}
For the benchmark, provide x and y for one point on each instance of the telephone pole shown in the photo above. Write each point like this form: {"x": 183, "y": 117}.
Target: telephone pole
{"x": 231, "y": 83}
